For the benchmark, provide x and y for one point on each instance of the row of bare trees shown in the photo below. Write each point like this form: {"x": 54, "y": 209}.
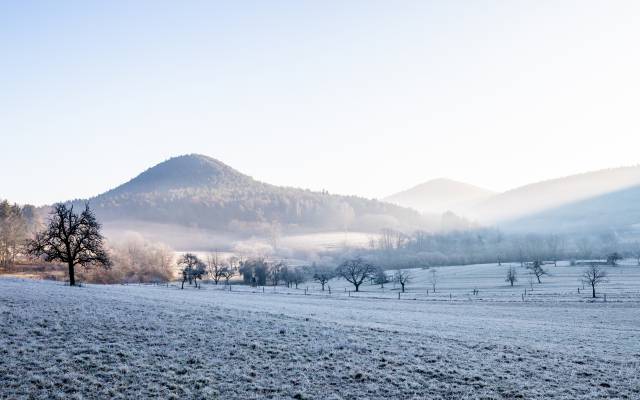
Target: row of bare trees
{"x": 260, "y": 272}
{"x": 253, "y": 271}
{"x": 592, "y": 276}
{"x": 216, "y": 268}
{"x": 75, "y": 239}
{"x": 357, "y": 270}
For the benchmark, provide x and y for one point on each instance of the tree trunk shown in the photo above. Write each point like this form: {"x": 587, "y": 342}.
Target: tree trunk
{"x": 323, "y": 287}
{"x": 357, "y": 285}
{"x": 538, "y": 279}
{"x": 72, "y": 275}
{"x": 593, "y": 288}
{"x": 402, "y": 284}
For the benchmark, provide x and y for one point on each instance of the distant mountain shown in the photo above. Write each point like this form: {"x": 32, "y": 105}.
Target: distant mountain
{"x": 441, "y": 195}
{"x": 592, "y": 201}
{"x": 548, "y": 197}
{"x": 618, "y": 211}
{"x": 196, "y": 191}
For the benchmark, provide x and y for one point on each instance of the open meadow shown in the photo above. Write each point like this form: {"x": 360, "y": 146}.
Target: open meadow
{"x": 145, "y": 341}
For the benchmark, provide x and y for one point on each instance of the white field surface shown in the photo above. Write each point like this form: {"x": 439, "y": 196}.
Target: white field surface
{"x": 161, "y": 342}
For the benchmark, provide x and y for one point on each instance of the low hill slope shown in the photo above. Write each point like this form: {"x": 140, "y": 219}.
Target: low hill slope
{"x": 441, "y": 195}
{"x": 548, "y": 195}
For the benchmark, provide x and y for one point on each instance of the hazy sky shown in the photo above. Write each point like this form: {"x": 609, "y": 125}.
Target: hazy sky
{"x": 358, "y": 97}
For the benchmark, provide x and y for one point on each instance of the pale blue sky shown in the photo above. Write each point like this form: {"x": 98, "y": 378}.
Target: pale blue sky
{"x": 357, "y": 97}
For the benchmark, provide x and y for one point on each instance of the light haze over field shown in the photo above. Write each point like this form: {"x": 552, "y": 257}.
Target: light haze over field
{"x": 356, "y": 97}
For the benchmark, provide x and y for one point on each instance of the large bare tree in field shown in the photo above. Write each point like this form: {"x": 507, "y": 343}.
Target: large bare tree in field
{"x": 594, "y": 276}
{"x": 355, "y": 271}
{"x": 72, "y": 239}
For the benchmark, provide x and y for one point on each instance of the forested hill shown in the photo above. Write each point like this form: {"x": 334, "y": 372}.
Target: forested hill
{"x": 199, "y": 191}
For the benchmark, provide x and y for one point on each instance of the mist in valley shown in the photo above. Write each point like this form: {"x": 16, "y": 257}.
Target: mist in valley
{"x": 319, "y": 200}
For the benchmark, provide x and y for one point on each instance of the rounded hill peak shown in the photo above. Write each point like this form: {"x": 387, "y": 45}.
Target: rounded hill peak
{"x": 185, "y": 171}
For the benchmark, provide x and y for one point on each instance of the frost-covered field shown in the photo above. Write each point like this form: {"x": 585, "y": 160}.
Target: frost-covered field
{"x": 161, "y": 342}
{"x": 457, "y": 284}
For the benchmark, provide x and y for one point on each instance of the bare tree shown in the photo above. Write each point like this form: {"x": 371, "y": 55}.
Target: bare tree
{"x": 72, "y": 239}
{"x": 192, "y": 268}
{"x": 355, "y": 271}
{"x": 594, "y": 276}
{"x": 433, "y": 279}
{"x": 227, "y": 272}
{"x": 215, "y": 265}
{"x": 400, "y": 239}
{"x": 402, "y": 277}
{"x": 387, "y": 239}
{"x": 512, "y": 276}
{"x": 323, "y": 275}
{"x": 536, "y": 269}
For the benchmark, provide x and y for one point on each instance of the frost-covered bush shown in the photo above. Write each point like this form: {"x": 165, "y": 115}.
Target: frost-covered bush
{"x": 135, "y": 260}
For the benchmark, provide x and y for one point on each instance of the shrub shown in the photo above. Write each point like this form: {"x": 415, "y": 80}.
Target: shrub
{"x": 135, "y": 260}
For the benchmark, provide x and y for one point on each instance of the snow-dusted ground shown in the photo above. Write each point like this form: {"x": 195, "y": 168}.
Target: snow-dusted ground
{"x": 161, "y": 342}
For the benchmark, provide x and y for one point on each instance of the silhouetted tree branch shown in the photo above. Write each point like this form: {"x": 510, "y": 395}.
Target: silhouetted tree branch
{"x": 72, "y": 239}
